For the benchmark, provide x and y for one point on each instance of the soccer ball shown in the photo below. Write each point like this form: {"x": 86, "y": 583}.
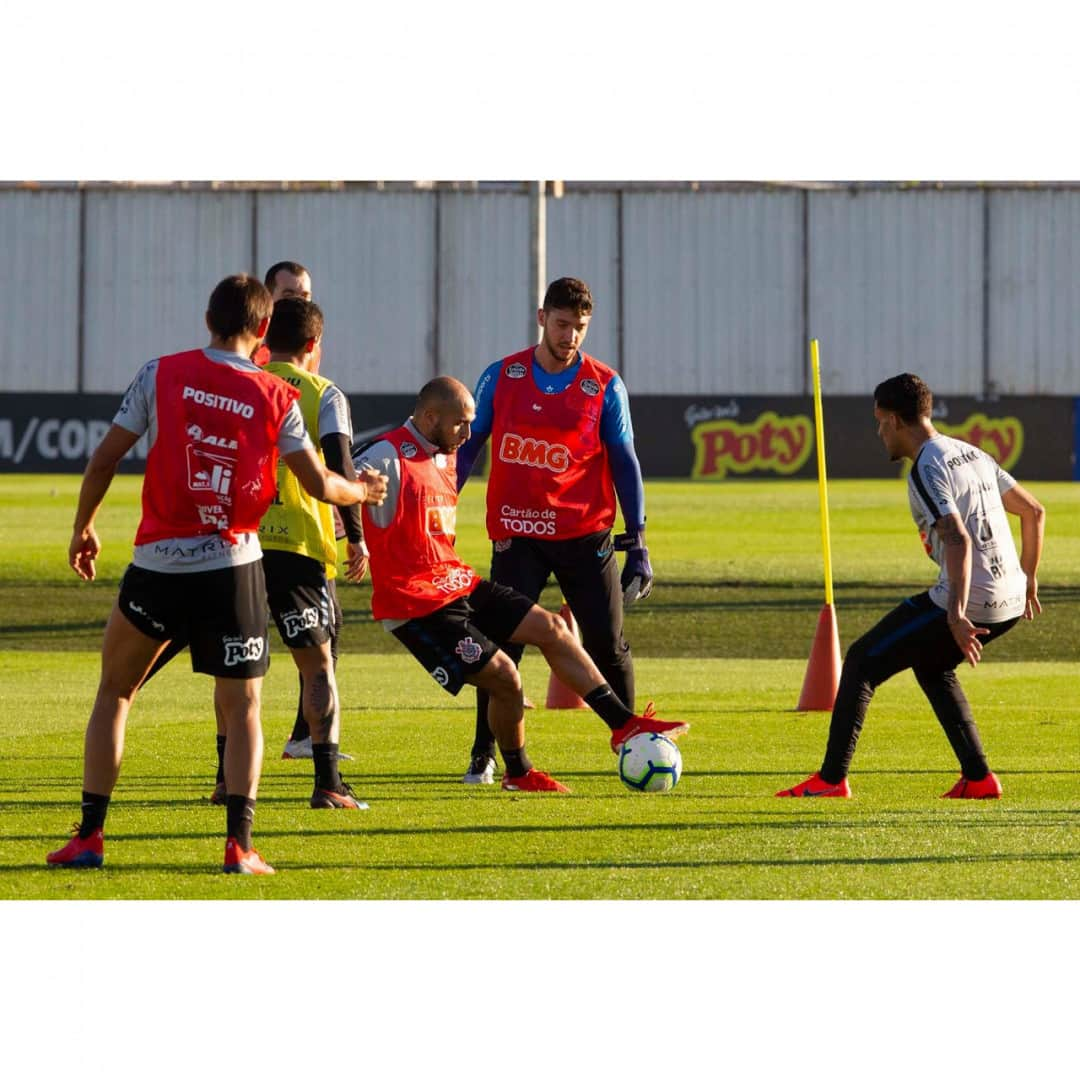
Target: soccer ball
{"x": 649, "y": 762}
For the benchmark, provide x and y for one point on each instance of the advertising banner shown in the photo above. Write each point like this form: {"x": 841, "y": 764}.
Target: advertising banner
{"x": 707, "y": 438}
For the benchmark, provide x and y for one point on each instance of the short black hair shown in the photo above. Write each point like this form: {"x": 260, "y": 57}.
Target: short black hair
{"x": 906, "y": 395}
{"x": 294, "y": 323}
{"x": 569, "y": 292}
{"x": 238, "y": 305}
{"x": 294, "y": 268}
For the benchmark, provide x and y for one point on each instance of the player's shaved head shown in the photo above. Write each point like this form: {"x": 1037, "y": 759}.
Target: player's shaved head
{"x": 907, "y": 396}
{"x": 444, "y": 412}
{"x": 442, "y": 392}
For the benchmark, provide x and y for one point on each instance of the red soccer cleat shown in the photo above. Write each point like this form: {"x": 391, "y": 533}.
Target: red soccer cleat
{"x": 989, "y": 787}
{"x": 647, "y": 722}
{"x": 78, "y": 853}
{"x": 239, "y": 861}
{"x": 343, "y": 798}
{"x": 533, "y": 780}
{"x": 816, "y": 787}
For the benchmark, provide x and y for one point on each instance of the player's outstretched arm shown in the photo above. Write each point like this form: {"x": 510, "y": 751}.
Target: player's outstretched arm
{"x": 100, "y": 470}
{"x": 1018, "y": 500}
{"x": 320, "y": 482}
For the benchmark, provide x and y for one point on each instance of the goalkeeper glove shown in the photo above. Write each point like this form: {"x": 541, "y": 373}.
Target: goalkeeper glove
{"x": 637, "y": 575}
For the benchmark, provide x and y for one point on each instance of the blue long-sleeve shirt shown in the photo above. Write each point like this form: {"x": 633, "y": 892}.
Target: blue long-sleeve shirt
{"x": 616, "y": 433}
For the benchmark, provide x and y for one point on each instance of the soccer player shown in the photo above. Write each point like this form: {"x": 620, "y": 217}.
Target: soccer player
{"x": 216, "y": 425}
{"x": 959, "y": 499}
{"x": 286, "y": 280}
{"x": 299, "y": 544}
{"x": 289, "y": 280}
{"x": 562, "y": 449}
{"x": 455, "y": 623}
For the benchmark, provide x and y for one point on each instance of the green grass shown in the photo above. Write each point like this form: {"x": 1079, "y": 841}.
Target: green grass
{"x": 722, "y": 642}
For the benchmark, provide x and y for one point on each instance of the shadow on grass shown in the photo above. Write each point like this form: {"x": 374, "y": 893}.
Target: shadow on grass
{"x": 206, "y": 870}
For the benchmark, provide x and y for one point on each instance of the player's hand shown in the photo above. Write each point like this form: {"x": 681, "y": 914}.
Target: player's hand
{"x": 966, "y": 635}
{"x": 376, "y": 486}
{"x": 637, "y": 575}
{"x": 1032, "y": 607}
{"x": 356, "y": 561}
{"x": 82, "y": 551}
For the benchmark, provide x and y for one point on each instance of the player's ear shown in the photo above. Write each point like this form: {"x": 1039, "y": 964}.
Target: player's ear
{"x": 263, "y": 327}
{"x": 539, "y": 316}
{"x": 309, "y": 345}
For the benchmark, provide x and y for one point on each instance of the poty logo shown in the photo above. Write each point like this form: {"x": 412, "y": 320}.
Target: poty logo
{"x": 536, "y": 453}
{"x": 195, "y": 432}
{"x": 408, "y": 450}
{"x": 1002, "y": 437}
{"x": 440, "y": 676}
{"x": 516, "y": 371}
{"x": 590, "y": 387}
{"x": 468, "y": 650}
{"x": 296, "y": 622}
{"x": 770, "y": 444}
{"x": 243, "y": 652}
{"x": 218, "y": 401}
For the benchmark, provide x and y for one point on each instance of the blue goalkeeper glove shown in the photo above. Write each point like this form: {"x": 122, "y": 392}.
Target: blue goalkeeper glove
{"x": 637, "y": 575}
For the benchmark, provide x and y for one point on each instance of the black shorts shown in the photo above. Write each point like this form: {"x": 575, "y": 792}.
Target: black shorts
{"x": 299, "y": 598}
{"x": 459, "y": 639}
{"x": 916, "y": 634}
{"x": 220, "y": 613}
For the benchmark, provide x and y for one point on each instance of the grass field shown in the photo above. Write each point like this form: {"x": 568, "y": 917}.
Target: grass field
{"x": 722, "y": 642}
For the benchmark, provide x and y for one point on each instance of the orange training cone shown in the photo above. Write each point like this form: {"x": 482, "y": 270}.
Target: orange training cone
{"x": 823, "y": 669}
{"x": 559, "y": 695}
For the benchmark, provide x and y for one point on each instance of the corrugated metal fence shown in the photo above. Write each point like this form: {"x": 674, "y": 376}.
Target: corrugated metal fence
{"x": 711, "y": 291}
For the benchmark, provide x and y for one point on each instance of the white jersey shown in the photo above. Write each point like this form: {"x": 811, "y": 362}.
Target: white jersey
{"x": 954, "y": 477}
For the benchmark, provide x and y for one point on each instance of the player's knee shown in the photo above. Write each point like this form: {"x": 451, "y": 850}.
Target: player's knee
{"x": 554, "y": 632}
{"x": 501, "y": 676}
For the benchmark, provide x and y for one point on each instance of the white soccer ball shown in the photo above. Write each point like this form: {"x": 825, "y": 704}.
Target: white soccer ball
{"x": 649, "y": 762}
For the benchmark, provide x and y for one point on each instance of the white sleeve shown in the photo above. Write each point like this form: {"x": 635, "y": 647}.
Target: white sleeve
{"x": 382, "y": 457}
{"x": 334, "y": 416}
{"x": 292, "y": 435}
{"x": 931, "y": 482}
{"x": 136, "y": 411}
{"x": 1005, "y": 481}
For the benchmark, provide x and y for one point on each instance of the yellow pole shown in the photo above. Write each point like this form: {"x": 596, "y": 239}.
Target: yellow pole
{"x": 823, "y": 491}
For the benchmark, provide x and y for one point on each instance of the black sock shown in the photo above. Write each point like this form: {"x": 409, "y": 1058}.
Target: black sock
{"x": 239, "y": 814}
{"x": 606, "y": 704}
{"x": 517, "y": 762}
{"x": 220, "y": 760}
{"x": 94, "y": 809}
{"x": 300, "y": 729}
{"x": 325, "y": 755}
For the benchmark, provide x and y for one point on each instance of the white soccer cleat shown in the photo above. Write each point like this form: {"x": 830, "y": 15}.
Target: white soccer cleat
{"x": 301, "y": 748}
{"x": 481, "y": 771}
{"x": 297, "y": 748}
